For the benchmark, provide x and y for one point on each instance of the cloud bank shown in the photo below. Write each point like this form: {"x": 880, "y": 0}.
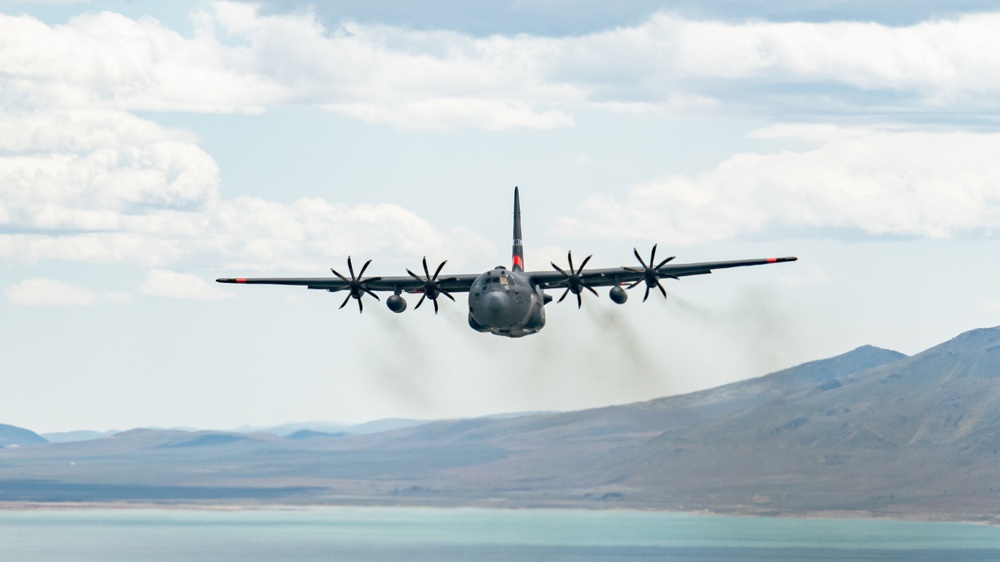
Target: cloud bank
{"x": 876, "y": 181}
{"x": 84, "y": 178}
{"x": 242, "y": 60}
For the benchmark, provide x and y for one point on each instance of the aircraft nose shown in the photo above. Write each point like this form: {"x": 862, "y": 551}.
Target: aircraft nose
{"x": 495, "y": 304}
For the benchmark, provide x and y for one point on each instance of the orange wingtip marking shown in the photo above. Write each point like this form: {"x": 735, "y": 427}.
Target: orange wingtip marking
{"x": 241, "y": 279}
{"x": 772, "y": 260}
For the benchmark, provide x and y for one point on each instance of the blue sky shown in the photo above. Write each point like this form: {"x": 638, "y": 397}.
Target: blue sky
{"x": 149, "y": 148}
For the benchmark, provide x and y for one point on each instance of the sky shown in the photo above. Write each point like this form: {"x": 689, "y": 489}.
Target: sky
{"x": 148, "y": 148}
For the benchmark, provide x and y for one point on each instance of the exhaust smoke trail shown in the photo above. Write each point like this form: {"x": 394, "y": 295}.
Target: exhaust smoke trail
{"x": 635, "y": 361}
{"x": 761, "y": 330}
{"x": 402, "y": 367}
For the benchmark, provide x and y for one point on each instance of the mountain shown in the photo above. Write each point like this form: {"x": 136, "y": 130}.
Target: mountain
{"x": 374, "y": 426}
{"x": 15, "y": 436}
{"x": 79, "y": 435}
{"x": 918, "y": 435}
{"x": 871, "y": 431}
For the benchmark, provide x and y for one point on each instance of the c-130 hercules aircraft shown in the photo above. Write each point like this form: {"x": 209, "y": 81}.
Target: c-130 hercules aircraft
{"x": 507, "y": 302}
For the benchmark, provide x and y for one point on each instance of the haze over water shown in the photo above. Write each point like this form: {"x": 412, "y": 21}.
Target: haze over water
{"x": 363, "y": 534}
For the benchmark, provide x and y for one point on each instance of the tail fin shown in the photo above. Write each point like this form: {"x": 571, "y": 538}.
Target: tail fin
{"x": 518, "y": 250}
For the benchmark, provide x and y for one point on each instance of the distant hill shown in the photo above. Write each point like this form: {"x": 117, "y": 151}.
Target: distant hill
{"x": 871, "y": 431}
{"x": 16, "y": 436}
{"x": 80, "y": 435}
{"x": 374, "y": 426}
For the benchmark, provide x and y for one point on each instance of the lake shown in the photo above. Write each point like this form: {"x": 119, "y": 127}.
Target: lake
{"x": 370, "y": 534}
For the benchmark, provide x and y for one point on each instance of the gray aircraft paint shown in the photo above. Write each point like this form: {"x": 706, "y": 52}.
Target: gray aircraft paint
{"x": 507, "y": 302}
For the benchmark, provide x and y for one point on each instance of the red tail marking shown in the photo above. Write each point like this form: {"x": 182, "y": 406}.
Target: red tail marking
{"x": 519, "y": 262}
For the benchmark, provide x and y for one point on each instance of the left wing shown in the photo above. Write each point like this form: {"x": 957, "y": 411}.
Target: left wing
{"x": 650, "y": 273}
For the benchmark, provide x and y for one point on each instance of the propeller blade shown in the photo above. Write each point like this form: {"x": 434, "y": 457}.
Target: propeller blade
{"x": 664, "y": 262}
{"x": 662, "y": 290}
{"x": 363, "y": 268}
{"x": 438, "y": 270}
{"x": 347, "y": 298}
{"x": 361, "y": 306}
{"x": 574, "y": 278}
{"x": 342, "y": 278}
{"x": 646, "y": 296}
{"x": 432, "y": 285}
{"x": 638, "y": 257}
{"x": 350, "y": 267}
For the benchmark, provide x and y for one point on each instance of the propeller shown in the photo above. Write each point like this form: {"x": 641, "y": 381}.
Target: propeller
{"x": 574, "y": 279}
{"x": 650, "y": 274}
{"x": 432, "y": 285}
{"x": 357, "y": 286}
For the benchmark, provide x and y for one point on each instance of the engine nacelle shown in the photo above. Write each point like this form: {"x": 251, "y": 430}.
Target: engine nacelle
{"x": 618, "y": 294}
{"x": 396, "y": 303}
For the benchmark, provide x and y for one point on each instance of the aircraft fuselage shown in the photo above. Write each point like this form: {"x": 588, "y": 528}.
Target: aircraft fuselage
{"x": 506, "y": 303}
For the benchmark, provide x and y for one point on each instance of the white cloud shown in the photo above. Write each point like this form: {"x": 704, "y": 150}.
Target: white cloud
{"x": 239, "y": 59}
{"x": 109, "y": 187}
{"x": 183, "y": 286}
{"x": 49, "y": 292}
{"x": 83, "y": 180}
{"x": 90, "y": 170}
{"x": 876, "y": 181}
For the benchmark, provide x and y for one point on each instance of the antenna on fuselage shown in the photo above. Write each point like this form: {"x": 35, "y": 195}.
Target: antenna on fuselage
{"x": 517, "y": 252}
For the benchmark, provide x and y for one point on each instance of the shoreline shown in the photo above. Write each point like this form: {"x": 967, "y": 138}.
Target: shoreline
{"x": 985, "y": 520}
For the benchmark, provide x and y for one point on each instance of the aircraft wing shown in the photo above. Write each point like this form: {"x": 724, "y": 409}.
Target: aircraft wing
{"x": 635, "y": 274}
{"x": 405, "y": 284}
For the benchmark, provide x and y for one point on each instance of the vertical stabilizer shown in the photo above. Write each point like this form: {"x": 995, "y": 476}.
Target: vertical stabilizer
{"x": 518, "y": 251}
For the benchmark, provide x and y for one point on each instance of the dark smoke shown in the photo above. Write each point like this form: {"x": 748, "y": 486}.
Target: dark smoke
{"x": 403, "y": 366}
{"x": 761, "y": 331}
{"x": 635, "y": 363}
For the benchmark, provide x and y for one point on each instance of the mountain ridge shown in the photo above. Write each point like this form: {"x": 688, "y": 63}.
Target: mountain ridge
{"x": 870, "y": 431}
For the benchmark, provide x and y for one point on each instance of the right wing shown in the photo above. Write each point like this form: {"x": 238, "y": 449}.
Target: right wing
{"x": 451, "y": 283}
{"x": 358, "y": 286}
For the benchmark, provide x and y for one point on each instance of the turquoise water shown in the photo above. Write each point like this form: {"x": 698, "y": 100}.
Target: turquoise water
{"x": 370, "y": 534}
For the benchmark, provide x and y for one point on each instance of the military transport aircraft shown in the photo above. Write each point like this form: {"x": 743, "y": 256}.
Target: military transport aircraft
{"x": 507, "y": 302}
